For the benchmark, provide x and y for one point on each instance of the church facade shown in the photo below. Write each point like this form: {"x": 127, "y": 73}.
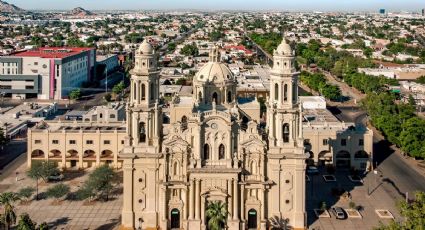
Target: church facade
{"x": 214, "y": 149}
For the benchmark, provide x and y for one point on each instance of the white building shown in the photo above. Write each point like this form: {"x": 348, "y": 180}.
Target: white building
{"x": 45, "y": 73}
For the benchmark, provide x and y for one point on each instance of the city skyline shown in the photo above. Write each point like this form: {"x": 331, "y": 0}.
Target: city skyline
{"x": 301, "y": 5}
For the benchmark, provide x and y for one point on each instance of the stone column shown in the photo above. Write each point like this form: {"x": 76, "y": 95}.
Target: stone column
{"x": 127, "y": 210}
{"x": 262, "y": 204}
{"x": 191, "y": 199}
{"x": 186, "y": 206}
{"x": 231, "y": 199}
{"x": 235, "y": 199}
{"x": 164, "y": 202}
{"x": 242, "y": 202}
{"x": 197, "y": 199}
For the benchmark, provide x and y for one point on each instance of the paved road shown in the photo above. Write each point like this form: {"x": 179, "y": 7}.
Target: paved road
{"x": 398, "y": 175}
{"x": 12, "y": 150}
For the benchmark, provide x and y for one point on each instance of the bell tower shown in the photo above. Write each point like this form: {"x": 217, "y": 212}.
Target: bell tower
{"x": 143, "y": 113}
{"x": 286, "y": 157}
{"x": 142, "y": 151}
{"x": 282, "y": 117}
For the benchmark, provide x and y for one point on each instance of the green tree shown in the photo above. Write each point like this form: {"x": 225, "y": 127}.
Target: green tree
{"x": 100, "y": 182}
{"x": 412, "y": 137}
{"x": 58, "y": 191}
{"x": 181, "y": 81}
{"x": 421, "y": 80}
{"x": 190, "y": 50}
{"x": 217, "y": 214}
{"x": 75, "y": 94}
{"x": 118, "y": 88}
{"x": 26, "y": 193}
{"x": 413, "y": 213}
{"x": 25, "y": 223}
{"x": 7, "y": 200}
{"x": 41, "y": 170}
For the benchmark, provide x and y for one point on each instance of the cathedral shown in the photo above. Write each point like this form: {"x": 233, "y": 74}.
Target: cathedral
{"x": 213, "y": 149}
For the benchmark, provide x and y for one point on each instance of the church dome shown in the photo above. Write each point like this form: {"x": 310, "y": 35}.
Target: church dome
{"x": 145, "y": 48}
{"x": 284, "y": 48}
{"x": 214, "y": 72}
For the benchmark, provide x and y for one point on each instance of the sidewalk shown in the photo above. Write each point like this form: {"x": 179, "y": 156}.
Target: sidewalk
{"x": 67, "y": 214}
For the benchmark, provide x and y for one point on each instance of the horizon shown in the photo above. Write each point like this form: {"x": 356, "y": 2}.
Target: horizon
{"x": 243, "y": 5}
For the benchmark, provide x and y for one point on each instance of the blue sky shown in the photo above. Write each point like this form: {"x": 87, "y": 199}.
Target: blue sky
{"x": 314, "y": 5}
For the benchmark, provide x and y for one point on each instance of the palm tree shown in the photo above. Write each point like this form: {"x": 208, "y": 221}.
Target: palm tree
{"x": 279, "y": 223}
{"x": 217, "y": 215}
{"x": 9, "y": 216}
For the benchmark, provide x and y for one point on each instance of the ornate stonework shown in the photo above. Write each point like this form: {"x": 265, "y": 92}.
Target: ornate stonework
{"x": 214, "y": 149}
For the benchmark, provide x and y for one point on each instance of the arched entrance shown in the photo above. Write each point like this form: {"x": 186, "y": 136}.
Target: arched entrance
{"x": 343, "y": 160}
{"x": 175, "y": 218}
{"x": 252, "y": 219}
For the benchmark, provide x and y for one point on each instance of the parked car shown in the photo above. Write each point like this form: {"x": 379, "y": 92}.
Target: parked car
{"x": 312, "y": 170}
{"x": 56, "y": 177}
{"x": 339, "y": 213}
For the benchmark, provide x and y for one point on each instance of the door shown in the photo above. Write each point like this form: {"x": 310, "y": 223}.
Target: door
{"x": 175, "y": 219}
{"x": 252, "y": 219}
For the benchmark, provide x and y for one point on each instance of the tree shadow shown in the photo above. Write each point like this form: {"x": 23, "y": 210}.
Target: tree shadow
{"x": 279, "y": 223}
{"x": 112, "y": 225}
{"x": 384, "y": 149}
{"x": 59, "y": 222}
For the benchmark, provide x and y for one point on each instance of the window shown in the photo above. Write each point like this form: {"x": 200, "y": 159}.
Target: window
{"x": 285, "y": 133}
{"x": 112, "y": 116}
{"x": 206, "y": 152}
{"x": 29, "y": 87}
{"x": 143, "y": 92}
{"x": 229, "y": 97}
{"x": 361, "y": 142}
{"x": 325, "y": 141}
{"x": 276, "y": 91}
{"x": 122, "y": 142}
{"x": 343, "y": 142}
{"x": 142, "y": 131}
{"x": 285, "y": 92}
{"x": 89, "y": 142}
{"x": 151, "y": 89}
{"x": 72, "y": 142}
{"x": 35, "y": 63}
{"x": 37, "y": 142}
{"x": 101, "y": 116}
{"x": 55, "y": 142}
{"x": 106, "y": 142}
{"x": 221, "y": 152}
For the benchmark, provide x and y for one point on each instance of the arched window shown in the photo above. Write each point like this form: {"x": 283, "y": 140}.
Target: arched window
{"x": 276, "y": 91}
{"x": 215, "y": 97}
{"x": 143, "y": 92}
{"x": 221, "y": 152}
{"x": 152, "y": 90}
{"x": 142, "y": 132}
{"x": 200, "y": 96}
{"x": 285, "y": 132}
{"x": 285, "y": 92}
{"x": 229, "y": 96}
{"x": 184, "y": 123}
{"x": 135, "y": 91}
{"x": 206, "y": 152}
{"x": 101, "y": 115}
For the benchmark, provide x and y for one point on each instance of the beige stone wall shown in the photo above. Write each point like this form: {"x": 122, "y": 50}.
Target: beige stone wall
{"x": 76, "y": 149}
{"x": 315, "y": 136}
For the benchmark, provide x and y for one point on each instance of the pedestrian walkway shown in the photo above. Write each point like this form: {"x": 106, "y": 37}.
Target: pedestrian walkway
{"x": 76, "y": 215}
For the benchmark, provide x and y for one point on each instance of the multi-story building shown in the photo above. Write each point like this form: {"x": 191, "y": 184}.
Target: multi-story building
{"x": 75, "y": 144}
{"x": 329, "y": 141}
{"x": 46, "y": 73}
{"x": 213, "y": 150}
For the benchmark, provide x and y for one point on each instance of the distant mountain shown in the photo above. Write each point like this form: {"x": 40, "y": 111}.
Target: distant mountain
{"x": 79, "y": 11}
{"x": 9, "y": 8}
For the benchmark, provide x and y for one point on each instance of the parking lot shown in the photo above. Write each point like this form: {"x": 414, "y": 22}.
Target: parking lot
{"x": 369, "y": 195}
